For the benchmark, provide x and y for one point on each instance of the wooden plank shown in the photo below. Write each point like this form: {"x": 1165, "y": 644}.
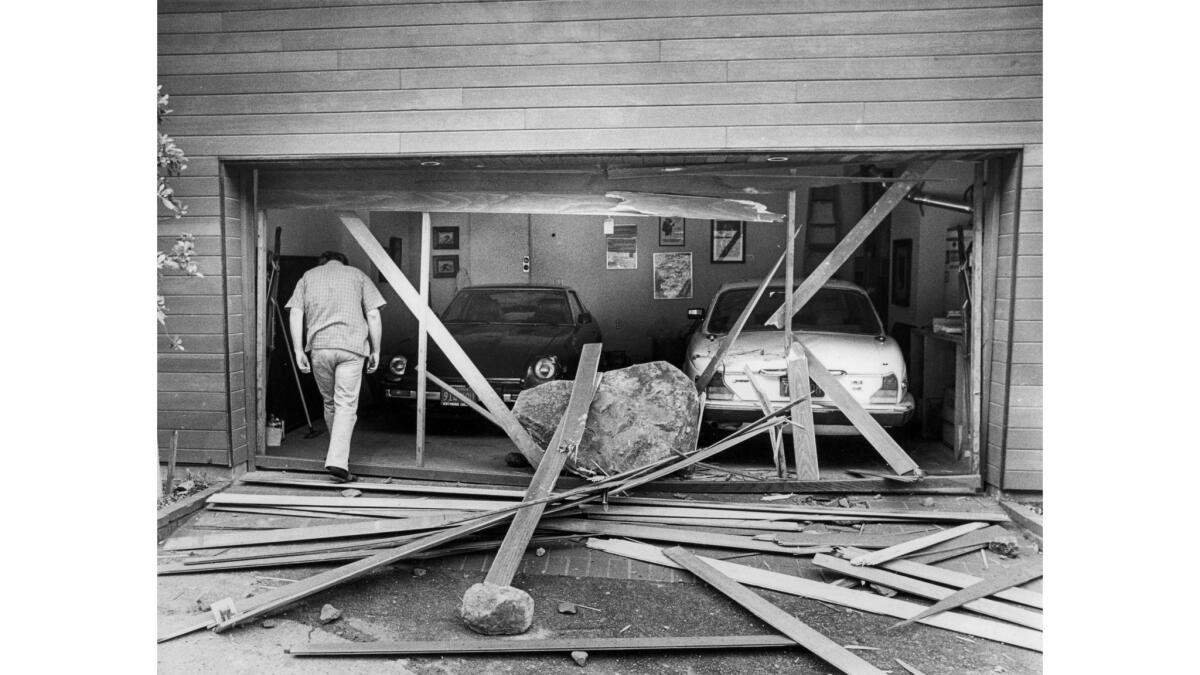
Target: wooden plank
{"x": 563, "y": 445}
{"x": 804, "y": 430}
{"x": 465, "y": 400}
{"x": 311, "y": 533}
{"x": 797, "y": 509}
{"x": 826, "y": 649}
{"x": 679, "y": 535}
{"x": 738, "y": 325}
{"x": 357, "y": 502}
{"x": 808, "y": 588}
{"x": 540, "y": 646}
{"x": 776, "y": 441}
{"x": 442, "y": 337}
{"x": 893, "y": 552}
{"x": 998, "y": 610}
{"x": 853, "y": 239}
{"x": 974, "y": 596}
{"x": 1023, "y": 516}
{"x": 270, "y": 478}
{"x": 876, "y": 435}
{"x": 724, "y": 523}
{"x": 960, "y": 580}
{"x": 423, "y": 337}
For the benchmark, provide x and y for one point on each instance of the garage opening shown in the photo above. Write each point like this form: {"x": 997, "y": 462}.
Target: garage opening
{"x": 531, "y": 253}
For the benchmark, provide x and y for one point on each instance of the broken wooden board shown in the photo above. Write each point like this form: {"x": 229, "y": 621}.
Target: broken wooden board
{"x": 303, "y": 501}
{"x": 524, "y": 646}
{"x": 804, "y": 635}
{"x": 857, "y": 516}
{"x": 785, "y": 526}
{"x": 912, "y": 545}
{"x": 798, "y": 509}
{"x": 958, "y": 580}
{"x": 804, "y": 430}
{"x": 776, "y": 435}
{"x": 876, "y": 435}
{"x": 311, "y": 533}
{"x": 1023, "y": 516}
{"x": 438, "y": 332}
{"x": 975, "y": 596}
{"x": 854, "y": 238}
{"x": 981, "y": 605}
{"x": 867, "y": 602}
{"x": 680, "y": 535}
{"x": 271, "y": 478}
{"x": 564, "y": 442}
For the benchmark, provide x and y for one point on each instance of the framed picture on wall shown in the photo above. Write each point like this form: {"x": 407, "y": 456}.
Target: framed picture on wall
{"x": 445, "y": 266}
{"x": 445, "y": 237}
{"x": 672, "y": 276}
{"x": 728, "y": 241}
{"x": 902, "y": 272}
{"x": 396, "y": 253}
{"x": 670, "y": 232}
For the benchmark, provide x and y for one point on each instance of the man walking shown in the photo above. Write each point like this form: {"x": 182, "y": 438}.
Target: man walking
{"x": 339, "y": 306}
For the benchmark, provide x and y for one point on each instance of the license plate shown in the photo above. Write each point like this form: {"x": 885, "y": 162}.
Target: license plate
{"x": 784, "y": 392}
{"x": 450, "y": 399}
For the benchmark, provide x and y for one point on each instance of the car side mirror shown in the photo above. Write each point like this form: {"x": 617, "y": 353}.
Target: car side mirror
{"x": 585, "y": 317}
{"x": 696, "y": 313}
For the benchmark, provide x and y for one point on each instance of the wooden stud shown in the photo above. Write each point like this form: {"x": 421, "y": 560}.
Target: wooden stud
{"x": 776, "y": 434}
{"x": 423, "y": 338}
{"x": 875, "y": 434}
{"x": 804, "y": 431}
{"x": 357, "y": 502}
{"x": 522, "y": 646}
{"x": 168, "y": 486}
{"x": 564, "y": 444}
{"x": 981, "y": 605}
{"x": 679, "y": 535}
{"x": 826, "y": 649}
{"x": 853, "y": 239}
{"x": 808, "y": 588}
{"x": 974, "y": 597}
{"x": 442, "y": 337}
{"x": 893, "y": 552}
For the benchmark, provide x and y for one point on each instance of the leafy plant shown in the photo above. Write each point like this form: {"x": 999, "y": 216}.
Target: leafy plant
{"x": 172, "y": 161}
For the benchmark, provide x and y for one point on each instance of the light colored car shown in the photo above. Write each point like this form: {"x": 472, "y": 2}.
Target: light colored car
{"x": 839, "y": 326}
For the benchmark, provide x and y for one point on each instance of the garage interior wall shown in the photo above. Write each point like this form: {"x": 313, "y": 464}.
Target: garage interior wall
{"x": 260, "y": 81}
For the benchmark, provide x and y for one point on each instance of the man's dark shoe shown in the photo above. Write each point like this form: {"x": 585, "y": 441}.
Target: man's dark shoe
{"x": 341, "y": 475}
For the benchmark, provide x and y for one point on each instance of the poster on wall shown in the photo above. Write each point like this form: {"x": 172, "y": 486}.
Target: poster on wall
{"x": 671, "y": 232}
{"x": 672, "y": 276}
{"x": 621, "y": 248}
{"x": 728, "y": 241}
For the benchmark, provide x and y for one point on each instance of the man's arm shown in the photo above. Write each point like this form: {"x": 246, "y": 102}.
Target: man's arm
{"x": 296, "y": 322}
{"x": 374, "y": 334}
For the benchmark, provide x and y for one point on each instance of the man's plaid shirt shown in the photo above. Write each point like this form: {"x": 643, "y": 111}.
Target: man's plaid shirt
{"x": 335, "y": 299}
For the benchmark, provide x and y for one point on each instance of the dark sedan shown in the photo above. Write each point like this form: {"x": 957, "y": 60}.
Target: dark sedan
{"x": 518, "y": 337}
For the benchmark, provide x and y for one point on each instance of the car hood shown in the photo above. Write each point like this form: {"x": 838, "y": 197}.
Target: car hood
{"x": 837, "y": 351}
{"x": 500, "y": 350}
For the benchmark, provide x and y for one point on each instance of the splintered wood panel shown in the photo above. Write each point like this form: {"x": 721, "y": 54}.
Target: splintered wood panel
{"x": 317, "y": 102}
{"x": 548, "y": 75}
{"x": 913, "y": 44}
{"x": 886, "y": 67}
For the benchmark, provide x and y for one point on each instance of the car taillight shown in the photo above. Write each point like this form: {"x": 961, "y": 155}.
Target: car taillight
{"x": 716, "y": 390}
{"x": 398, "y": 365}
{"x": 889, "y": 390}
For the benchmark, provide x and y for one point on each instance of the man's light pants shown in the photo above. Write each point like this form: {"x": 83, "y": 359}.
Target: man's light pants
{"x": 338, "y": 374}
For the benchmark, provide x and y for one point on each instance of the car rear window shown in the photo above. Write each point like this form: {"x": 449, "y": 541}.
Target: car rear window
{"x": 831, "y": 310}
{"x": 503, "y": 305}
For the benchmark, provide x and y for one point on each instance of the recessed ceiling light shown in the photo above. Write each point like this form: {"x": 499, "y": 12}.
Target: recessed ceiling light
{"x": 671, "y": 169}
{"x": 777, "y": 158}
{"x": 431, "y": 163}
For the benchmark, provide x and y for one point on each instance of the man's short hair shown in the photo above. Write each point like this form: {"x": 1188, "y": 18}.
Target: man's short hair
{"x": 332, "y": 255}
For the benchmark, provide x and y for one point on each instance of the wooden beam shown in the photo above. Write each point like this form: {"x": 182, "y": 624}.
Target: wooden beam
{"x": 776, "y": 440}
{"x": 442, "y": 337}
{"x": 1023, "y": 516}
{"x": 357, "y": 502}
{"x": 804, "y": 430}
{"x": 853, "y": 239}
{"x": 957, "y": 579}
{"x": 876, "y": 435}
{"x": 723, "y": 523}
{"x": 563, "y": 445}
{"x": 980, "y": 605}
{"x": 974, "y": 597}
{"x": 311, "y": 533}
{"x": 465, "y": 400}
{"x": 423, "y": 338}
{"x": 808, "y": 588}
{"x": 679, "y": 535}
{"x": 794, "y": 509}
{"x": 726, "y": 342}
{"x": 523, "y": 646}
{"x": 824, "y": 648}
{"x": 267, "y": 478}
{"x": 893, "y": 552}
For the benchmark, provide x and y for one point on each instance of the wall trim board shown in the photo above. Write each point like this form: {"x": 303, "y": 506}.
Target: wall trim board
{"x": 1015, "y": 172}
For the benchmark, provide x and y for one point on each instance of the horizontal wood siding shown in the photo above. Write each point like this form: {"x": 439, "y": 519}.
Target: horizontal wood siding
{"x": 258, "y": 79}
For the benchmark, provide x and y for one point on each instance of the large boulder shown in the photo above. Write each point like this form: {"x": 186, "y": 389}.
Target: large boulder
{"x": 640, "y": 414}
{"x": 496, "y": 610}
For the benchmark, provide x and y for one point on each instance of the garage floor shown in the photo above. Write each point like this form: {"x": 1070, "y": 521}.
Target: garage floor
{"x": 467, "y": 443}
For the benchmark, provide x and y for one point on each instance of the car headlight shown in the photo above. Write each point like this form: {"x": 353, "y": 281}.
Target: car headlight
{"x": 398, "y": 366}
{"x": 544, "y": 369}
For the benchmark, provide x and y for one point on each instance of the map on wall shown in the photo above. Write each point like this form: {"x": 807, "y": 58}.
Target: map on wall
{"x": 672, "y": 276}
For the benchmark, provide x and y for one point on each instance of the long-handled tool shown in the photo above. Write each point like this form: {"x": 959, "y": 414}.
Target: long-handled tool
{"x": 283, "y": 329}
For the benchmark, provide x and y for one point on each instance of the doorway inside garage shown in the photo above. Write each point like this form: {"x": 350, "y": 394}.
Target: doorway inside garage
{"x": 922, "y": 269}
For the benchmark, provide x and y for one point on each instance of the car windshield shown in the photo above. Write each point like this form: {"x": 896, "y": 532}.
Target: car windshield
{"x": 831, "y": 310}
{"x": 509, "y": 305}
